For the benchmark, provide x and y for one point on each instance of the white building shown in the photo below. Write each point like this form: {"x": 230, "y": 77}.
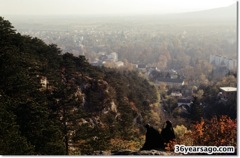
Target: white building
{"x": 218, "y": 60}
{"x": 227, "y": 93}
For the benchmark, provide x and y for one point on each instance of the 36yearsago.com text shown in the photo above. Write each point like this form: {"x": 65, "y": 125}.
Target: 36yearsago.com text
{"x": 203, "y": 149}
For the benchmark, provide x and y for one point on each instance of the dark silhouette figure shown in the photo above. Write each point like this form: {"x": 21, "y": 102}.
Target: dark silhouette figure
{"x": 168, "y": 133}
{"x": 153, "y": 139}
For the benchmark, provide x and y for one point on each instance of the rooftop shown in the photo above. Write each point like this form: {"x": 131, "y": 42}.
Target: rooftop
{"x": 229, "y": 89}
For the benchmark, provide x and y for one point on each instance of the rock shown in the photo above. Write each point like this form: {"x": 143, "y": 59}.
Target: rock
{"x": 151, "y": 152}
{"x": 156, "y": 152}
{"x": 102, "y": 153}
{"x": 130, "y": 152}
{"x": 124, "y": 152}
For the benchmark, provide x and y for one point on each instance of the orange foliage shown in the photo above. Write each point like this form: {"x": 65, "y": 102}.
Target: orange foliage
{"x": 216, "y": 132}
{"x": 199, "y": 128}
{"x": 170, "y": 146}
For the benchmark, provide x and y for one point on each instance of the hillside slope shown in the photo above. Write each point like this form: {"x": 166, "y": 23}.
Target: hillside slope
{"x": 55, "y": 103}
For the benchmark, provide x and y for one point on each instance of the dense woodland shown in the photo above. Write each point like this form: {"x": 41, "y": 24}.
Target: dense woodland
{"x": 81, "y": 108}
{"x": 83, "y": 103}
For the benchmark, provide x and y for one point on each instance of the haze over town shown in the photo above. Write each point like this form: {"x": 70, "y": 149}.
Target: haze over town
{"x": 106, "y": 7}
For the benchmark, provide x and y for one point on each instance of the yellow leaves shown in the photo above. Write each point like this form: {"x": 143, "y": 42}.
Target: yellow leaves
{"x": 120, "y": 144}
{"x": 180, "y": 130}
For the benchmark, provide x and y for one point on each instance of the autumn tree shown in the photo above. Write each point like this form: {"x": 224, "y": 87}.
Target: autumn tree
{"x": 220, "y": 131}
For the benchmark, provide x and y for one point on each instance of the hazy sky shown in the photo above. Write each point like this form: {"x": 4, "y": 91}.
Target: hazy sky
{"x": 83, "y": 7}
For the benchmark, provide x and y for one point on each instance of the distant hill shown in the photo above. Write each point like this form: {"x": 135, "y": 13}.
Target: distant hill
{"x": 212, "y": 15}
{"x": 223, "y": 15}
{"x": 229, "y": 13}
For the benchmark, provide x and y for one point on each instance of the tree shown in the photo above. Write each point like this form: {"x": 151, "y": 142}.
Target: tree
{"x": 215, "y": 132}
{"x": 41, "y": 131}
{"x": 196, "y": 110}
{"x": 48, "y": 120}
{"x": 11, "y": 140}
{"x": 6, "y": 32}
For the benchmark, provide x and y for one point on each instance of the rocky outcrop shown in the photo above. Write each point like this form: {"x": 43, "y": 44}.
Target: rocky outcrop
{"x": 130, "y": 152}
